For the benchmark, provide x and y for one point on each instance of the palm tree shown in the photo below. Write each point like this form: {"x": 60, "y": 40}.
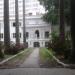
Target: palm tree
{"x": 24, "y": 31}
{"x": 73, "y": 30}
{"x": 17, "y": 22}
{"x": 6, "y": 24}
{"x": 62, "y": 27}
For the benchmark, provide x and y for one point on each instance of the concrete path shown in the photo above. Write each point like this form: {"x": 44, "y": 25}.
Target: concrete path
{"x": 37, "y": 71}
{"x": 33, "y": 60}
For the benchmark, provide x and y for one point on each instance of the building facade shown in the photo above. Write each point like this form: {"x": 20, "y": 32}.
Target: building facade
{"x": 37, "y": 31}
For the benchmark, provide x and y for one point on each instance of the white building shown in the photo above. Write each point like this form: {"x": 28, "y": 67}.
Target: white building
{"x": 37, "y": 31}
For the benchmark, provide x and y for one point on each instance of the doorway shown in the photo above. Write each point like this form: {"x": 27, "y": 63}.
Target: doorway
{"x": 36, "y": 44}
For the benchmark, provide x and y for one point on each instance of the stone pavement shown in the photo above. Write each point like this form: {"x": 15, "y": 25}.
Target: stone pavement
{"x": 32, "y": 64}
{"x": 37, "y": 71}
{"x": 32, "y": 61}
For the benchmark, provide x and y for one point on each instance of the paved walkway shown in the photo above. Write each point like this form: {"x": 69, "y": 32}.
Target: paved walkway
{"x": 37, "y": 71}
{"x": 33, "y": 60}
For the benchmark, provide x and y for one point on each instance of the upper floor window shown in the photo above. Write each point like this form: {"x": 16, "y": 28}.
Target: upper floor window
{"x": 46, "y": 34}
{"x": 37, "y": 33}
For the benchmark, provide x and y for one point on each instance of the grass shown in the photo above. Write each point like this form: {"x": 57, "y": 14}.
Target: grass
{"x": 15, "y": 62}
{"x": 46, "y": 58}
{"x": 44, "y": 55}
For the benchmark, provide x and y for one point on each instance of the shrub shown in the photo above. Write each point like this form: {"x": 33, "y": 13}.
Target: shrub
{"x": 60, "y": 48}
{"x": 1, "y": 52}
{"x": 14, "y": 49}
{"x": 11, "y": 50}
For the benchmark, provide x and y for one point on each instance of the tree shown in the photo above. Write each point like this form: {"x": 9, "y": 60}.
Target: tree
{"x": 24, "y": 31}
{"x": 73, "y": 31}
{"x": 57, "y": 8}
{"x": 17, "y": 22}
{"x": 52, "y": 8}
{"x": 62, "y": 26}
{"x": 6, "y": 24}
{"x": 57, "y": 12}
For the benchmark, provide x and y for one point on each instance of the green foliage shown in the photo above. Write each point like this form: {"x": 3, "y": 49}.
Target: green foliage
{"x": 1, "y": 52}
{"x": 44, "y": 56}
{"x": 52, "y": 7}
{"x": 14, "y": 49}
{"x": 59, "y": 47}
{"x": 51, "y": 17}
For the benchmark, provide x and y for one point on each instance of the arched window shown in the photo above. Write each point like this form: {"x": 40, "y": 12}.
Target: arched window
{"x": 37, "y": 33}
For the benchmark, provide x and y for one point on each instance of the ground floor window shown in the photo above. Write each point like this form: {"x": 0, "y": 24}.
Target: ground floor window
{"x": 26, "y": 44}
{"x": 14, "y": 35}
{"x": 46, "y": 44}
{"x": 27, "y": 35}
{"x": 1, "y": 35}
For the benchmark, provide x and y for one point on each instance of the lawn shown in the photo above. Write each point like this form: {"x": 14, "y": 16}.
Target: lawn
{"x": 46, "y": 59}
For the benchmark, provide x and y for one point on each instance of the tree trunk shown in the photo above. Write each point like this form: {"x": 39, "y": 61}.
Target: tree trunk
{"x": 17, "y": 22}
{"x": 24, "y": 30}
{"x": 62, "y": 26}
{"x": 6, "y": 24}
{"x": 73, "y": 30}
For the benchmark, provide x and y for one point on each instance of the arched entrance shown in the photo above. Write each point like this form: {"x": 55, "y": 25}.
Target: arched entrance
{"x": 36, "y": 44}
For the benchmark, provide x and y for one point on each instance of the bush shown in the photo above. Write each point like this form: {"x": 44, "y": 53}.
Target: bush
{"x": 59, "y": 47}
{"x": 11, "y": 50}
{"x": 1, "y": 52}
{"x": 14, "y": 49}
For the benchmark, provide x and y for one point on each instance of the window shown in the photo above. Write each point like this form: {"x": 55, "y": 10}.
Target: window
{"x": 46, "y": 44}
{"x": 20, "y": 35}
{"x": 14, "y": 24}
{"x": 47, "y": 34}
{"x": 30, "y": 14}
{"x": 27, "y": 35}
{"x": 1, "y": 35}
{"x": 14, "y": 35}
{"x": 37, "y": 33}
{"x": 27, "y": 44}
{"x": 19, "y": 23}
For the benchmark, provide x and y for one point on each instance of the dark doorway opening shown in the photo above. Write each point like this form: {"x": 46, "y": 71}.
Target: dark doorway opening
{"x": 36, "y": 44}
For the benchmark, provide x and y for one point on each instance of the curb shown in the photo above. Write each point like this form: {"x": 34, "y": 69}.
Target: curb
{"x": 58, "y": 61}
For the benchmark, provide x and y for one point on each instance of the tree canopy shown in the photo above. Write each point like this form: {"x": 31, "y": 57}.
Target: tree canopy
{"x": 52, "y": 11}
